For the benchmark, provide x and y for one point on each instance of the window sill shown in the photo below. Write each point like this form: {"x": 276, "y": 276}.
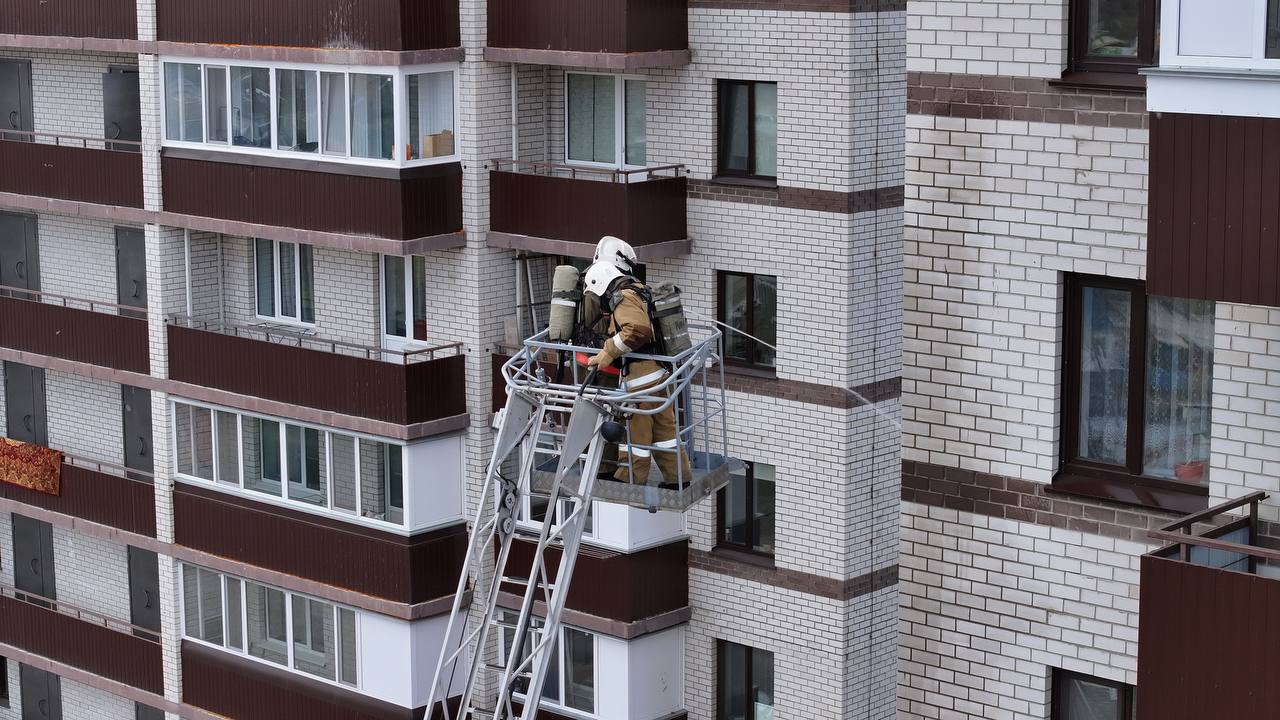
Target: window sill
{"x": 744, "y": 556}
{"x": 751, "y": 372}
{"x": 1097, "y": 80}
{"x": 1134, "y": 490}
{"x": 762, "y": 183}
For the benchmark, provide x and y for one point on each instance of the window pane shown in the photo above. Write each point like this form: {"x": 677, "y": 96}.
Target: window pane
{"x": 298, "y": 110}
{"x": 347, "y": 646}
{"x": 314, "y": 650}
{"x": 190, "y": 601}
{"x": 1273, "y": 28}
{"x": 215, "y": 103}
{"x": 182, "y": 440}
{"x": 393, "y": 295}
{"x": 265, "y": 272}
{"x": 762, "y": 520}
{"x": 592, "y": 133}
{"x": 306, "y": 277}
{"x": 376, "y": 470}
{"x": 202, "y": 442}
{"x": 637, "y": 128}
{"x": 182, "y": 102}
{"x": 733, "y": 304}
{"x": 395, "y": 484}
{"x": 419, "y": 297}
{"x": 580, "y": 675}
{"x": 1179, "y": 388}
{"x": 735, "y": 528}
{"x": 1113, "y": 28}
{"x": 765, "y": 303}
{"x": 1104, "y": 374}
{"x": 731, "y": 685}
{"x": 308, "y": 481}
{"x": 210, "y": 606}
{"x": 251, "y": 107}
{"x": 550, "y": 686}
{"x": 228, "y": 444}
{"x": 344, "y": 472}
{"x": 762, "y": 683}
{"x": 430, "y": 107}
{"x": 288, "y": 280}
{"x": 766, "y": 124}
{"x": 1085, "y": 700}
{"x": 235, "y": 603}
{"x": 372, "y": 116}
{"x": 265, "y": 613}
{"x": 735, "y": 138}
{"x": 261, "y": 455}
{"x": 333, "y": 104}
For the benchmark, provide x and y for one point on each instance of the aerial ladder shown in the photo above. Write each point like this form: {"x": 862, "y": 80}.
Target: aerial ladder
{"x": 551, "y": 443}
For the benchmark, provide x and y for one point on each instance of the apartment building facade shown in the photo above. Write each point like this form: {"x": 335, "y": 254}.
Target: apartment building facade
{"x": 259, "y": 263}
{"x": 1088, "y": 359}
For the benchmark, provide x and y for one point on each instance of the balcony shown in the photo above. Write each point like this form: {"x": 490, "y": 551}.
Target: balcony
{"x": 566, "y": 209}
{"x": 1206, "y": 627}
{"x": 400, "y": 387}
{"x": 398, "y": 25}
{"x": 91, "y": 642}
{"x": 72, "y": 168}
{"x": 99, "y": 492}
{"x": 84, "y": 331}
{"x": 599, "y": 34}
{"x": 259, "y": 197}
{"x": 104, "y": 19}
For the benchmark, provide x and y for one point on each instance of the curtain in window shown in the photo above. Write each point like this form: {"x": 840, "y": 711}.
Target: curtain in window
{"x": 333, "y": 103}
{"x": 592, "y": 106}
{"x": 636, "y": 123}
{"x": 251, "y": 107}
{"x": 298, "y": 110}
{"x": 182, "y": 91}
{"x": 735, "y": 134}
{"x": 766, "y": 127}
{"x": 1105, "y": 324}
{"x": 372, "y": 116}
{"x": 1179, "y": 388}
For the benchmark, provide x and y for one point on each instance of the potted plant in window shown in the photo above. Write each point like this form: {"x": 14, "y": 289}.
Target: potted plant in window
{"x": 1192, "y": 469}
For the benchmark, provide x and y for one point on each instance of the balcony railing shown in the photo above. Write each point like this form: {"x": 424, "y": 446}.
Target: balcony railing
{"x": 404, "y": 387}
{"x": 71, "y": 167}
{"x": 1207, "y": 628}
{"x": 81, "y": 638}
{"x": 616, "y": 27}
{"x": 99, "y": 492}
{"x": 566, "y": 209}
{"x": 107, "y": 19}
{"x": 87, "y": 331}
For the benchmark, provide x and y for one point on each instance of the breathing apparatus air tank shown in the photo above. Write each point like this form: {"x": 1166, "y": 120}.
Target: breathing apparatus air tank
{"x": 668, "y": 315}
{"x": 565, "y": 297}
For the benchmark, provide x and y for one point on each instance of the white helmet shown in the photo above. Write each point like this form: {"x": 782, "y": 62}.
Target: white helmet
{"x": 619, "y": 252}
{"x": 600, "y": 276}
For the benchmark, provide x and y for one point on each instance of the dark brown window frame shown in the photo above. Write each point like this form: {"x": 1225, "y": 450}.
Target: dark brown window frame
{"x": 751, "y": 367}
{"x": 749, "y": 675}
{"x": 1078, "y": 39}
{"x": 1126, "y": 485}
{"x": 722, "y": 137}
{"x": 721, "y": 503}
{"x": 4, "y": 682}
{"x": 1127, "y": 692}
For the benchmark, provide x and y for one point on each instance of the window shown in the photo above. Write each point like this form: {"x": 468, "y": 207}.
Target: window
{"x": 606, "y": 120}
{"x": 748, "y": 129}
{"x": 404, "y": 290}
{"x": 571, "y": 677}
{"x": 1139, "y": 375}
{"x": 304, "y": 466}
{"x": 318, "y": 111}
{"x": 749, "y": 305}
{"x": 1080, "y": 697}
{"x": 1113, "y": 35}
{"x": 4, "y": 682}
{"x": 744, "y": 682}
{"x": 285, "y": 281}
{"x": 275, "y": 626}
{"x": 746, "y": 509}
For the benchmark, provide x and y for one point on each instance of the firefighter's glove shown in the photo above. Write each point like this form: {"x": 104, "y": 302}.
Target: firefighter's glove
{"x": 602, "y": 359}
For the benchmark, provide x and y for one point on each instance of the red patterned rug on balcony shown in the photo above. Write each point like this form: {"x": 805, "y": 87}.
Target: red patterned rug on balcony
{"x": 30, "y": 466}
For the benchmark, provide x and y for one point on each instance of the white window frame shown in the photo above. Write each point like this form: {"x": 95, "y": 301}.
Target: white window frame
{"x": 243, "y": 651}
{"x": 619, "y": 121}
{"x": 399, "y": 342}
{"x": 1170, "y": 45}
{"x": 399, "y": 77}
{"x": 278, "y": 285}
{"x": 239, "y": 489}
{"x": 559, "y": 706}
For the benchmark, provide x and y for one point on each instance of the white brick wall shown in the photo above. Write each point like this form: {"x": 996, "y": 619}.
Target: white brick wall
{"x": 81, "y": 702}
{"x": 77, "y": 258}
{"x": 91, "y": 573}
{"x": 67, "y": 89}
{"x": 85, "y": 416}
{"x": 1018, "y": 38}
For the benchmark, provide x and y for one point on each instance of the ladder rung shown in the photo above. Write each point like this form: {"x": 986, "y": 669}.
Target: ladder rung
{"x": 525, "y": 582}
{"x": 497, "y": 667}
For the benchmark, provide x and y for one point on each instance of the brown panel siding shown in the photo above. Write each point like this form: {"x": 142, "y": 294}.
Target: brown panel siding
{"x": 99, "y": 497}
{"x": 387, "y": 391}
{"x": 1206, "y": 639}
{"x": 108, "y": 19}
{"x": 347, "y": 24}
{"x": 382, "y": 564}
{"x": 105, "y": 177}
{"x": 611, "y": 26}
{"x": 1214, "y": 228}
{"x": 96, "y": 338}
{"x": 91, "y": 647}
{"x": 419, "y": 202}
{"x": 618, "y": 586}
{"x": 574, "y": 210}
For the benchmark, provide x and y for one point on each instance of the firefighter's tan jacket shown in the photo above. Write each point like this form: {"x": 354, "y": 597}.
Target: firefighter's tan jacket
{"x": 629, "y": 330}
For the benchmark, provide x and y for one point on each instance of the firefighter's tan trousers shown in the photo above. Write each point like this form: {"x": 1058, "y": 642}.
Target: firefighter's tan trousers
{"x": 659, "y": 431}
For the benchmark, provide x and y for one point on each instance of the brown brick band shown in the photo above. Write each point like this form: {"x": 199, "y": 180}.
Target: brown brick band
{"x": 795, "y": 198}
{"x": 835, "y": 6}
{"x": 994, "y": 97}
{"x": 813, "y": 393}
{"x": 831, "y": 588}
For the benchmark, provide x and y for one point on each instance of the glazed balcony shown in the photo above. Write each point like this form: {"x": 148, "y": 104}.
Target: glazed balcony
{"x": 402, "y": 387}
{"x": 86, "y": 331}
{"x": 103, "y": 19}
{"x": 72, "y": 168}
{"x": 398, "y": 25}
{"x": 600, "y": 34}
{"x": 104, "y": 646}
{"x": 1206, "y": 631}
{"x": 566, "y": 209}
{"x": 96, "y": 491}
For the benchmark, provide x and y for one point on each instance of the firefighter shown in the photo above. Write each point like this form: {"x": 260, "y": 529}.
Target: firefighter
{"x": 632, "y": 330}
